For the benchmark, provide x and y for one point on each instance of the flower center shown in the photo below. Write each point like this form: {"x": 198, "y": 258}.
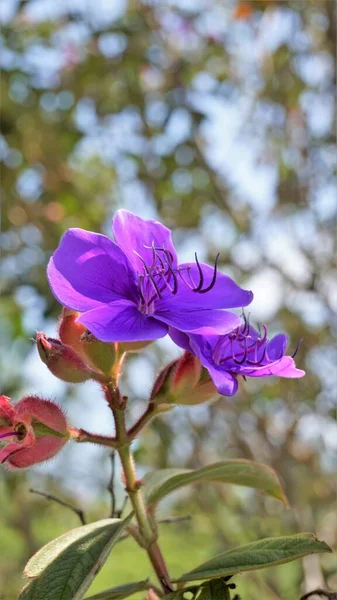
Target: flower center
{"x": 20, "y": 431}
{"x": 240, "y": 346}
{"x": 161, "y": 278}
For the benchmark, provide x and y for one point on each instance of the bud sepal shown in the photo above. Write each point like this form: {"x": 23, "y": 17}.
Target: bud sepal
{"x": 34, "y": 429}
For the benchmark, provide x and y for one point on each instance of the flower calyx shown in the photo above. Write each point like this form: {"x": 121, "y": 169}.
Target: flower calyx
{"x": 33, "y": 430}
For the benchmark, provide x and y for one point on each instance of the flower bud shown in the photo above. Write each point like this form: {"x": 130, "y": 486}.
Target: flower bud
{"x": 186, "y": 374}
{"x": 63, "y": 361}
{"x": 134, "y": 346}
{"x": 70, "y": 330}
{"x": 99, "y": 355}
{"x": 35, "y": 429}
{"x": 204, "y": 391}
{"x": 184, "y": 382}
{"x": 161, "y": 388}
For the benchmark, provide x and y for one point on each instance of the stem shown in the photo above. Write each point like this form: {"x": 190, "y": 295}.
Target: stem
{"x": 81, "y": 435}
{"x": 133, "y": 489}
{"x": 142, "y": 421}
{"x": 48, "y": 496}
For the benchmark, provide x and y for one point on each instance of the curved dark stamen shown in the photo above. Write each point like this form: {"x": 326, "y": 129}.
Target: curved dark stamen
{"x": 190, "y": 284}
{"x": 141, "y": 279}
{"x": 154, "y": 256}
{"x": 247, "y": 324}
{"x": 149, "y": 274}
{"x": 265, "y": 333}
{"x": 258, "y": 362}
{"x": 162, "y": 264}
{"x": 212, "y": 284}
{"x": 170, "y": 271}
{"x": 9, "y": 434}
{"x": 153, "y": 282}
{"x": 201, "y": 275}
{"x": 169, "y": 255}
{"x": 236, "y": 360}
{"x": 297, "y": 348}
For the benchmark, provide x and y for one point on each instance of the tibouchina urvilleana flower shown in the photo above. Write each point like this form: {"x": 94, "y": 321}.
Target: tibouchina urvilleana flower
{"x": 244, "y": 351}
{"x": 133, "y": 288}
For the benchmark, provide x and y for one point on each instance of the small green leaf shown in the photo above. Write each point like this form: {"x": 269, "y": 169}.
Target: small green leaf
{"x": 264, "y": 553}
{"x": 65, "y": 568}
{"x": 240, "y": 472}
{"x": 215, "y": 589}
{"x": 191, "y": 590}
{"x": 122, "y": 591}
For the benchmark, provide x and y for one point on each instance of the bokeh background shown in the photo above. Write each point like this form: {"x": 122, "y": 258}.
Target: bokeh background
{"x": 217, "y": 118}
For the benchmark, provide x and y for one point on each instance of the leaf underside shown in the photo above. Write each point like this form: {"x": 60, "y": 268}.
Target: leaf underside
{"x": 65, "y": 568}
{"x": 122, "y": 591}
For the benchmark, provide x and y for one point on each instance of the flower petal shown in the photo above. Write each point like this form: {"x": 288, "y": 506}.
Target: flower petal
{"x": 224, "y": 294}
{"x": 44, "y": 411}
{"x": 202, "y": 322}
{"x": 7, "y": 410}
{"x": 285, "y": 367}
{"x": 122, "y": 322}
{"x": 134, "y": 234}
{"x": 277, "y": 346}
{"x": 224, "y": 382}
{"x": 44, "y": 448}
{"x": 89, "y": 269}
{"x": 181, "y": 339}
{"x": 7, "y": 450}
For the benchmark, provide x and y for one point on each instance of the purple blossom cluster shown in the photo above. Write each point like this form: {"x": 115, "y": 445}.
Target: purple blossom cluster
{"x": 134, "y": 289}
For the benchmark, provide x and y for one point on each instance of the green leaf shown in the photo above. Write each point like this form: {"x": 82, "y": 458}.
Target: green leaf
{"x": 264, "y": 553}
{"x": 214, "y": 590}
{"x": 66, "y": 566}
{"x": 122, "y": 591}
{"x": 241, "y": 472}
{"x": 192, "y": 591}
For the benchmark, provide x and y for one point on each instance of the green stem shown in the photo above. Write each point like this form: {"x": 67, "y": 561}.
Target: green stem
{"x": 134, "y": 491}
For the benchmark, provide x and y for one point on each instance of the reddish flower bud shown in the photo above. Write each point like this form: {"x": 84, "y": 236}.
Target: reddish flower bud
{"x": 186, "y": 374}
{"x": 134, "y": 346}
{"x": 70, "y": 330}
{"x": 99, "y": 355}
{"x": 185, "y": 382}
{"x": 63, "y": 361}
{"x": 35, "y": 430}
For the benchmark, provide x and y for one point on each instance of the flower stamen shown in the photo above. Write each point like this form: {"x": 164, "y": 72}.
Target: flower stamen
{"x": 9, "y": 434}
{"x": 297, "y": 348}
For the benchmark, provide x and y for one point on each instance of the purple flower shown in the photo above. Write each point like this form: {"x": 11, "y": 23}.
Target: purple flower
{"x": 133, "y": 288}
{"x": 244, "y": 351}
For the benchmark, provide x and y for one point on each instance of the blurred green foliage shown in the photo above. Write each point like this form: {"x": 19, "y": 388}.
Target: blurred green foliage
{"x": 184, "y": 110}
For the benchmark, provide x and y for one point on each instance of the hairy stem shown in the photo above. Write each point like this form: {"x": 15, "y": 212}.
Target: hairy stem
{"x": 81, "y": 435}
{"x": 143, "y": 420}
{"x": 134, "y": 491}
